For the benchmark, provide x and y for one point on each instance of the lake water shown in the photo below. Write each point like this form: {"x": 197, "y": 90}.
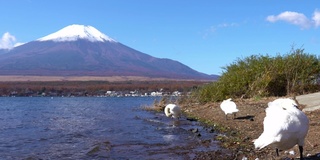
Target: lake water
{"x": 95, "y": 128}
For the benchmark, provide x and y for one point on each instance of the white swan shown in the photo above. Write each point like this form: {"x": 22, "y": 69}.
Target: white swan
{"x": 172, "y": 110}
{"x": 283, "y": 127}
{"x": 229, "y": 107}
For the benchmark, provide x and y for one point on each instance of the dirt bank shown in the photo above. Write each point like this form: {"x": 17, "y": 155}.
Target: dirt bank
{"x": 237, "y": 134}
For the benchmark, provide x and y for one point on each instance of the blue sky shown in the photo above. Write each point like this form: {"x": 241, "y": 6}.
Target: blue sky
{"x": 202, "y": 34}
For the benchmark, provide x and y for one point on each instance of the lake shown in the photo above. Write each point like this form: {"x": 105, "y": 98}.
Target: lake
{"x": 96, "y": 128}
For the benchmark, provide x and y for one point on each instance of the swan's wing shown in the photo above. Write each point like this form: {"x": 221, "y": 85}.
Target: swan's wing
{"x": 286, "y": 115}
{"x": 175, "y": 109}
{"x": 298, "y": 123}
{"x": 273, "y": 127}
{"x": 283, "y": 124}
{"x": 284, "y": 103}
{"x": 277, "y": 120}
{"x": 228, "y": 107}
{"x": 223, "y": 106}
{"x": 233, "y": 107}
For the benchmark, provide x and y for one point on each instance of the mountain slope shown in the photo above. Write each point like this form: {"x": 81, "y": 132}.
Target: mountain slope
{"x": 85, "y": 51}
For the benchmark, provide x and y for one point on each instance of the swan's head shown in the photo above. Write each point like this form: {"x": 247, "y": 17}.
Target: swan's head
{"x": 168, "y": 114}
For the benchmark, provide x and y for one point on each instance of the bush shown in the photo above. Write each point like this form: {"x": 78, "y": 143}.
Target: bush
{"x": 262, "y": 75}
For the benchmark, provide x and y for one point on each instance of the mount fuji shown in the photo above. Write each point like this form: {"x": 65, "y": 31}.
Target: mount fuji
{"x": 79, "y": 50}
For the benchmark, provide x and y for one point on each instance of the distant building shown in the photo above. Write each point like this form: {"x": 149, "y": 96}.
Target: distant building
{"x": 156, "y": 93}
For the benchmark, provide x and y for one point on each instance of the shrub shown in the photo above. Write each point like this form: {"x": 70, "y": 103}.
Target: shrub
{"x": 262, "y": 75}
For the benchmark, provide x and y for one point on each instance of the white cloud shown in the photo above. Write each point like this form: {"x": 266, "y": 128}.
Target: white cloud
{"x": 8, "y": 41}
{"x": 316, "y": 18}
{"x": 295, "y": 18}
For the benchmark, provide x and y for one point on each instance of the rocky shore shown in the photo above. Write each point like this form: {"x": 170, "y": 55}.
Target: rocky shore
{"x": 236, "y": 135}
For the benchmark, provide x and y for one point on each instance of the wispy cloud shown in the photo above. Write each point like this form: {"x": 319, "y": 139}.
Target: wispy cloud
{"x": 214, "y": 28}
{"x": 222, "y": 25}
{"x": 296, "y": 18}
{"x": 8, "y": 41}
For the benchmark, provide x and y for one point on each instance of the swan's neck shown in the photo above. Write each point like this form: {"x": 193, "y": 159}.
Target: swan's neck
{"x": 167, "y": 111}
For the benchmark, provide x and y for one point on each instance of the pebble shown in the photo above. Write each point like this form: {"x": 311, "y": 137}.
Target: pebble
{"x": 195, "y": 130}
{"x": 291, "y": 152}
{"x": 244, "y": 158}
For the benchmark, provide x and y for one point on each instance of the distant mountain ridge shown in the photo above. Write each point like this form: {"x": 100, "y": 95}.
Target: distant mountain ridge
{"x": 79, "y": 50}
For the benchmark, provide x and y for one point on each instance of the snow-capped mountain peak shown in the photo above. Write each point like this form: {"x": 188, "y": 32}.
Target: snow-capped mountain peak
{"x": 75, "y": 32}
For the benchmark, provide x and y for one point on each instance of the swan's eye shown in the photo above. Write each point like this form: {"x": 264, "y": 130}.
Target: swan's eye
{"x": 284, "y": 108}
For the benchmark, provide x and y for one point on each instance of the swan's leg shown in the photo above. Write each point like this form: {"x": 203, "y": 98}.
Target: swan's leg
{"x": 301, "y": 151}
{"x": 234, "y": 115}
{"x": 226, "y": 117}
{"x": 277, "y": 152}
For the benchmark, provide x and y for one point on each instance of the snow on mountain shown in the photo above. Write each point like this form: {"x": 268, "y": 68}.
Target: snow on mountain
{"x": 75, "y": 32}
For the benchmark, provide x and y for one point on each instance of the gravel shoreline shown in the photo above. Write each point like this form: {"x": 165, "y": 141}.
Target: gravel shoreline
{"x": 236, "y": 135}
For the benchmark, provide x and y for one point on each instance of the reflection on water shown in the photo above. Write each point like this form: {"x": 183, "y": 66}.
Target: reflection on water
{"x": 93, "y": 128}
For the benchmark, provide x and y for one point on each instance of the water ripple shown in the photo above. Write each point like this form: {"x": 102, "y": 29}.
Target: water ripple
{"x": 92, "y": 128}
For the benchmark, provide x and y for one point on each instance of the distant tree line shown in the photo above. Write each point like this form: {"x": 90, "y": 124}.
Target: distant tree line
{"x": 262, "y": 75}
{"x": 91, "y": 88}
